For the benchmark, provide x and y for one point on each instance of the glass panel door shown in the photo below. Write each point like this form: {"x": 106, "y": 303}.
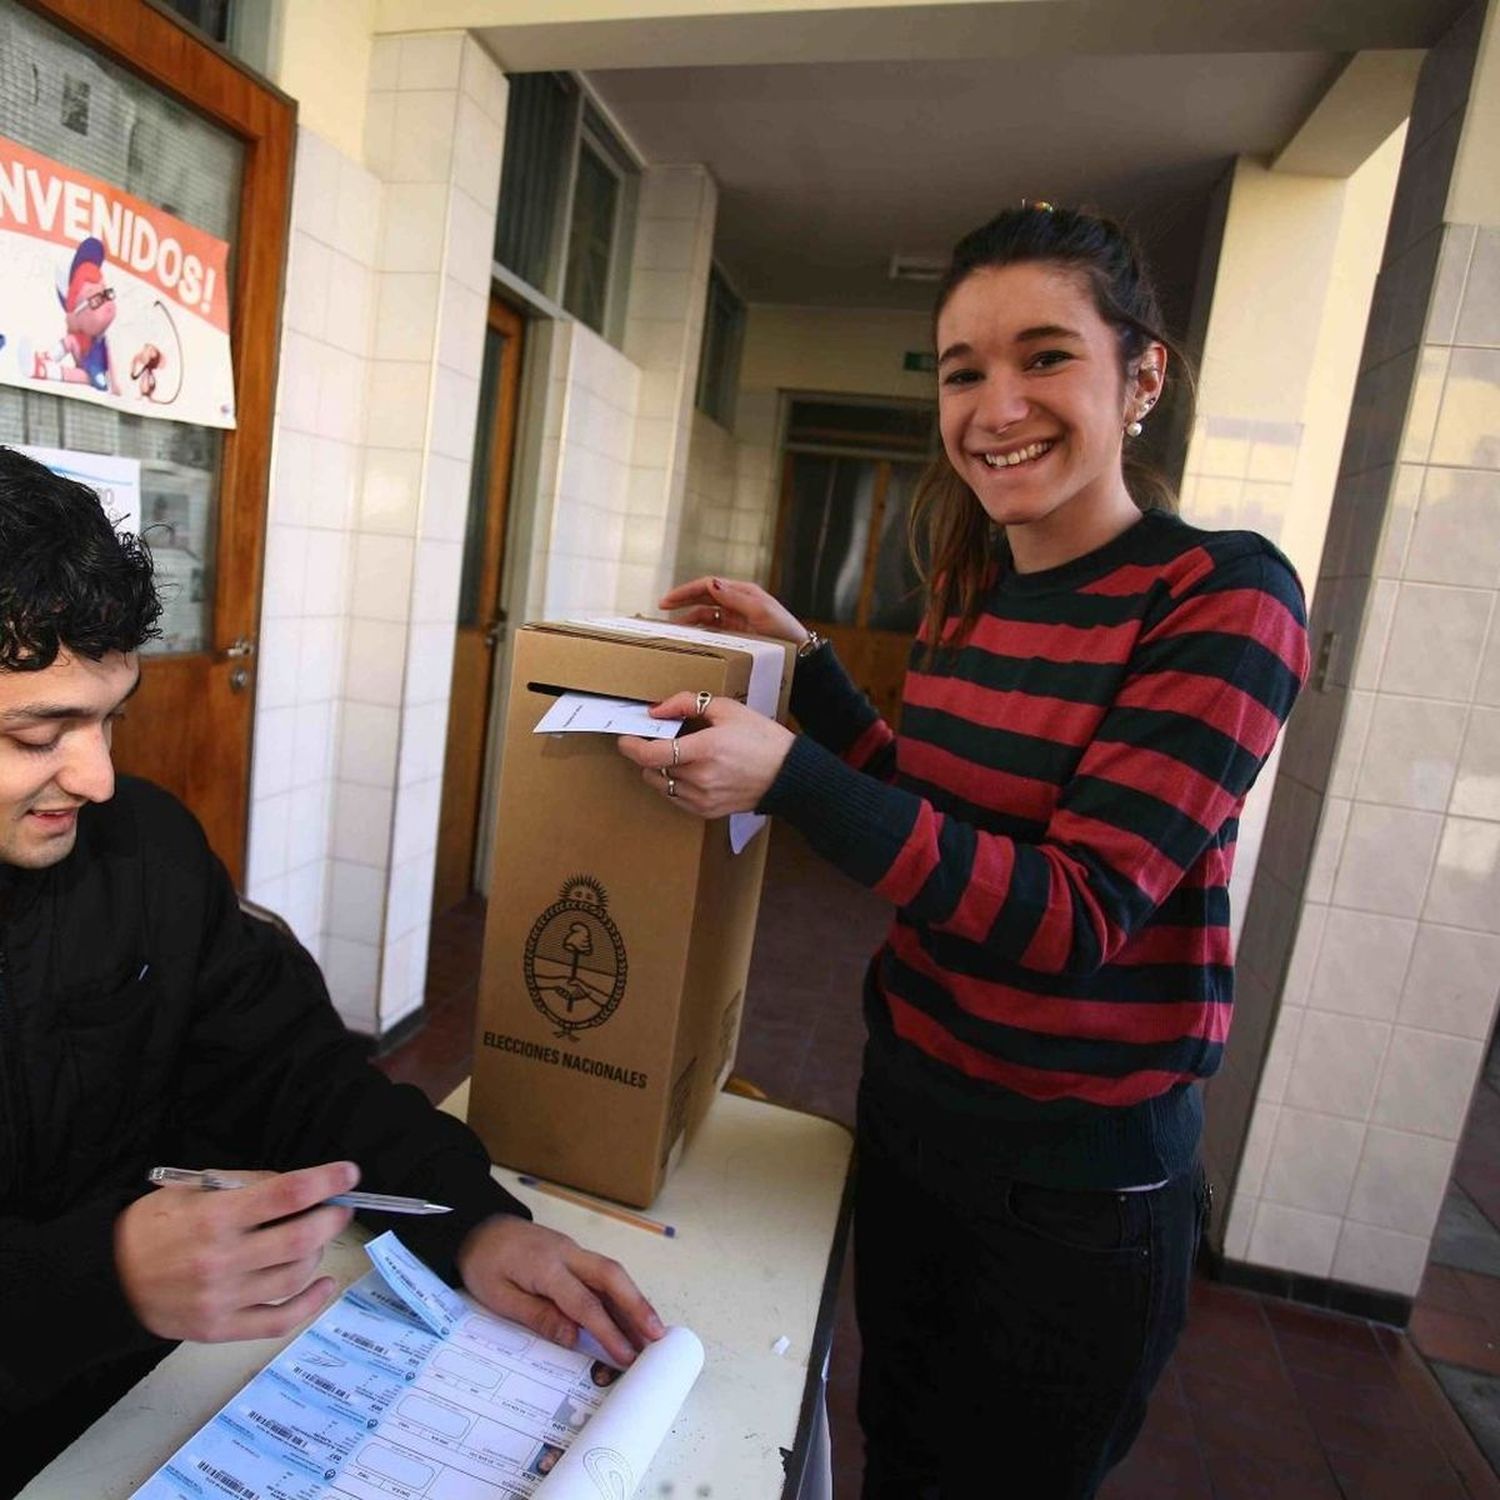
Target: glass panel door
{"x": 827, "y": 535}
{"x": 67, "y": 104}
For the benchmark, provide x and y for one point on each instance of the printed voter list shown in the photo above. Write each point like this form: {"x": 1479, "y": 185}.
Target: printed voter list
{"x": 407, "y": 1387}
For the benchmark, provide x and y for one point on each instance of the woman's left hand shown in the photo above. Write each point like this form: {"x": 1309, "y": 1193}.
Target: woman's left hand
{"x": 726, "y": 768}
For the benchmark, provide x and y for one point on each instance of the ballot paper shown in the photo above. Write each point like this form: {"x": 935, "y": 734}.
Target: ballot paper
{"x": 407, "y": 1390}
{"x": 592, "y": 713}
{"x": 767, "y": 660}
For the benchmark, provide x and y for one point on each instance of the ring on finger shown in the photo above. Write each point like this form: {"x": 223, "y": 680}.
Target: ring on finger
{"x": 701, "y": 706}
{"x": 676, "y": 753}
{"x": 718, "y": 616}
{"x": 671, "y": 784}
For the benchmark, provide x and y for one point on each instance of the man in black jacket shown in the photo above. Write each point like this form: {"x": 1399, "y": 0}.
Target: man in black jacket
{"x": 145, "y": 1020}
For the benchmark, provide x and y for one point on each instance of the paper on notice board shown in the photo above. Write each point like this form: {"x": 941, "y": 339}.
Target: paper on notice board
{"x": 766, "y": 662}
{"x": 371, "y": 1401}
{"x": 592, "y": 713}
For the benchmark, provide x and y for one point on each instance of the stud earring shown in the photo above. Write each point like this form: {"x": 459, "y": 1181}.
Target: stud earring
{"x": 1133, "y": 429}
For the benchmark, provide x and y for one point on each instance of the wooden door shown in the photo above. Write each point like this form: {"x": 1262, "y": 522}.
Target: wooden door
{"x": 481, "y": 621}
{"x": 190, "y": 724}
{"x": 841, "y": 563}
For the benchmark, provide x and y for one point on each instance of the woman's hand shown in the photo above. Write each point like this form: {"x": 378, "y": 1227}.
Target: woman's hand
{"x": 725, "y": 768}
{"x": 724, "y": 604}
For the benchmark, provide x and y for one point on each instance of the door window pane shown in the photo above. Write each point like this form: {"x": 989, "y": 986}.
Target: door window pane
{"x": 540, "y": 120}
{"x": 57, "y": 98}
{"x": 591, "y": 238}
{"x": 896, "y": 598}
{"x": 469, "y": 602}
{"x": 719, "y": 361}
{"x": 827, "y": 534}
{"x": 884, "y": 428}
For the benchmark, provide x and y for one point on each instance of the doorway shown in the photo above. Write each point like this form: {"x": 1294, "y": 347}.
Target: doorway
{"x": 850, "y": 471}
{"x": 481, "y": 619}
{"x": 129, "y": 97}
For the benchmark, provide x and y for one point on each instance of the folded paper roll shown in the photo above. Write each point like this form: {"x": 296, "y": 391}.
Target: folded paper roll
{"x": 608, "y": 1459}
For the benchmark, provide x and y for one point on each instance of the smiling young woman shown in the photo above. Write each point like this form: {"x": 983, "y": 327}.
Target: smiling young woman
{"x": 1094, "y": 689}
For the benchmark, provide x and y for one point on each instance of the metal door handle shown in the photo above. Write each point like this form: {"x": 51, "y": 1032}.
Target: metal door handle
{"x": 244, "y": 646}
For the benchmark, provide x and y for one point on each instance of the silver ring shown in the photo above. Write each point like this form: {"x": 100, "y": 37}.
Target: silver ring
{"x": 718, "y": 616}
{"x": 676, "y": 753}
{"x": 701, "y": 706}
{"x": 663, "y": 773}
{"x": 671, "y": 785}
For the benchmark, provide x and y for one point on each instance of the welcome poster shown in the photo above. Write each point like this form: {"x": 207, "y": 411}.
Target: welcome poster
{"x": 107, "y": 299}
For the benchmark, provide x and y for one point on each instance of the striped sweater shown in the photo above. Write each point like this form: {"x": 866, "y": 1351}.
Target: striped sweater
{"x": 1055, "y": 826}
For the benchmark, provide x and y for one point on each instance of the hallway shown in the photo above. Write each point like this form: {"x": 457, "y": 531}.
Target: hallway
{"x": 1264, "y": 1400}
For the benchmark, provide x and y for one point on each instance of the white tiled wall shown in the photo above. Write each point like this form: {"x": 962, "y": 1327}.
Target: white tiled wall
{"x": 663, "y": 335}
{"x": 434, "y": 134}
{"x": 383, "y": 340}
{"x": 729, "y": 511}
{"x": 594, "y": 536}
{"x": 1390, "y": 989}
{"x": 315, "y": 482}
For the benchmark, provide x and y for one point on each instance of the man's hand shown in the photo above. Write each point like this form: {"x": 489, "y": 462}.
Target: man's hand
{"x": 238, "y": 1264}
{"x": 545, "y": 1281}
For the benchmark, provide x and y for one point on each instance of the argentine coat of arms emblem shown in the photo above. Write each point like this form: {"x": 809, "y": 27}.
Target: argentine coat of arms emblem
{"x": 574, "y": 961}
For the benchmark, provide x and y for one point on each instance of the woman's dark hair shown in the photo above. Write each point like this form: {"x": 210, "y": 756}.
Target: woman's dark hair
{"x": 956, "y": 547}
{"x": 67, "y": 579}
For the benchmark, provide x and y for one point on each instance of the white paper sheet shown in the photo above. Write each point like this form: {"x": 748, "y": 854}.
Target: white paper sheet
{"x": 405, "y": 1388}
{"x": 616, "y": 1448}
{"x": 766, "y": 662}
{"x": 592, "y": 713}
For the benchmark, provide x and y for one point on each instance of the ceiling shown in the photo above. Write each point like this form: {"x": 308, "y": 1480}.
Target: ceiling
{"x": 825, "y": 170}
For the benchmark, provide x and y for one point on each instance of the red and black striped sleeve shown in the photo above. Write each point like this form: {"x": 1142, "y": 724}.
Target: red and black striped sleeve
{"x": 831, "y": 709}
{"x": 1207, "y": 688}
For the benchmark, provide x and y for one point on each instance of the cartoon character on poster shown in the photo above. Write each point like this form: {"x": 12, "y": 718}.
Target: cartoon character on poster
{"x": 89, "y": 307}
{"x": 108, "y": 299}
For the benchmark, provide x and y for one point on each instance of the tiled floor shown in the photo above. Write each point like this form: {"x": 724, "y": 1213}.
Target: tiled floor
{"x": 1456, "y": 1322}
{"x": 1264, "y": 1400}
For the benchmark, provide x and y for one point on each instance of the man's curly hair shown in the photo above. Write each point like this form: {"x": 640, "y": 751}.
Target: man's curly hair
{"x": 67, "y": 579}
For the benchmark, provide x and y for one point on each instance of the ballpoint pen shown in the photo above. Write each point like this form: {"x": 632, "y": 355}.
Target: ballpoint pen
{"x": 386, "y": 1203}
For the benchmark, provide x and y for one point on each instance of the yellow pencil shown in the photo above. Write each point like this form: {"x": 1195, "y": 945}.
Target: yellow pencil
{"x": 609, "y": 1210}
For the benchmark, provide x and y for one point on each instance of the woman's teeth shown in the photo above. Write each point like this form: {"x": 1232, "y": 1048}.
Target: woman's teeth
{"x": 1019, "y": 456}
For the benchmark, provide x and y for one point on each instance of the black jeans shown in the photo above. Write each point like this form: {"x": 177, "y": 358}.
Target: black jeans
{"x": 1012, "y": 1333}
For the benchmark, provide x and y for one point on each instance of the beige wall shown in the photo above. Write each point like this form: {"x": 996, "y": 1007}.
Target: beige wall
{"x": 1335, "y": 356}
{"x": 323, "y": 62}
{"x": 854, "y": 350}
{"x": 1295, "y": 272}
{"x": 1474, "y": 193}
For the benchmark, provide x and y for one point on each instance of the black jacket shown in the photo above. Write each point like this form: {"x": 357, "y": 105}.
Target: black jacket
{"x": 145, "y": 1020}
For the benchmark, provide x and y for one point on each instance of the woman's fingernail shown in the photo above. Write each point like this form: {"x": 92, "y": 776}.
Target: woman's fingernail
{"x": 655, "y": 1327}
{"x": 717, "y": 583}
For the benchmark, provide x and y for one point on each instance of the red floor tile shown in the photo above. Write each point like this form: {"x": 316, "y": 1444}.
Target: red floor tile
{"x": 1395, "y": 1476}
{"x": 1238, "y": 1474}
{"x": 1456, "y": 1338}
{"x": 1158, "y": 1468}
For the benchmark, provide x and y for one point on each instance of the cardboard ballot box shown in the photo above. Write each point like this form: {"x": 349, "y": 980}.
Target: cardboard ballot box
{"x": 620, "y": 926}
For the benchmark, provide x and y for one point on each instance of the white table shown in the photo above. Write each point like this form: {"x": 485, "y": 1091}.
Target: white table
{"x": 760, "y": 1205}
